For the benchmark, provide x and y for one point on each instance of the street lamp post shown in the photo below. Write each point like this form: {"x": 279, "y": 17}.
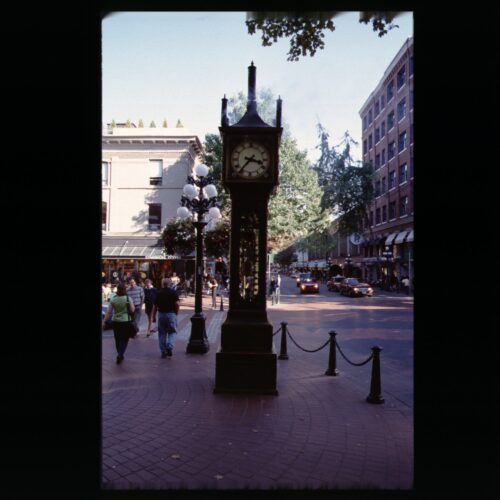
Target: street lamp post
{"x": 200, "y": 197}
{"x": 388, "y": 255}
{"x": 348, "y": 261}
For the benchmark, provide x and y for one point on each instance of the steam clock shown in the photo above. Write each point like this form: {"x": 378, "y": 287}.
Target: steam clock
{"x": 246, "y": 360}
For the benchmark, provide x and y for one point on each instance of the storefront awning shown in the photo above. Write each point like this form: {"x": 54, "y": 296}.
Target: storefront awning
{"x": 400, "y": 237}
{"x": 390, "y": 238}
{"x": 409, "y": 238}
{"x": 130, "y": 252}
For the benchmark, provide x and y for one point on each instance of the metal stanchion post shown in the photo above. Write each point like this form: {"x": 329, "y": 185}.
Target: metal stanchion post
{"x": 375, "y": 386}
{"x": 283, "y": 353}
{"x": 332, "y": 358}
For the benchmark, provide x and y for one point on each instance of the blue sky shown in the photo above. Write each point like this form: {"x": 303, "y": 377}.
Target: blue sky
{"x": 178, "y": 65}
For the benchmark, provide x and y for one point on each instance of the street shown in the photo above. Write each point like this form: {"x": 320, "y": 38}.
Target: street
{"x": 384, "y": 320}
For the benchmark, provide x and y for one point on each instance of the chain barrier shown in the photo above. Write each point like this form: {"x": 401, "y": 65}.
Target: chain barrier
{"x": 350, "y": 362}
{"x": 375, "y": 386}
{"x": 277, "y": 331}
{"x": 307, "y": 350}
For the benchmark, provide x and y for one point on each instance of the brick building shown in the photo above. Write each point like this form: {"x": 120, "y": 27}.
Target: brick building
{"x": 387, "y": 141}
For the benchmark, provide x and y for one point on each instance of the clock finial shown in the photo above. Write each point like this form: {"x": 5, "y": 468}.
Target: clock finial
{"x": 251, "y": 103}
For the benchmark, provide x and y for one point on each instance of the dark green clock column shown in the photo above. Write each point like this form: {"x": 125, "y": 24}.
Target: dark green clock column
{"x": 246, "y": 361}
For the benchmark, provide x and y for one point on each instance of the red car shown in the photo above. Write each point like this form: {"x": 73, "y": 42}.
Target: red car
{"x": 355, "y": 288}
{"x": 309, "y": 285}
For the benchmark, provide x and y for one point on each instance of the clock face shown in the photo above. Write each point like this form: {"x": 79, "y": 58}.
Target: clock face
{"x": 250, "y": 160}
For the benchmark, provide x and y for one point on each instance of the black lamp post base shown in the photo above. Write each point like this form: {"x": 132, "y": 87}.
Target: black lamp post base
{"x": 198, "y": 341}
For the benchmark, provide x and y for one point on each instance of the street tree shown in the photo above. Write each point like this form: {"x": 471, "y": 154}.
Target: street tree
{"x": 307, "y": 29}
{"x": 347, "y": 184}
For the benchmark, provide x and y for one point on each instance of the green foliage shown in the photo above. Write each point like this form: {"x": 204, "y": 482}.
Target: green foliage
{"x": 286, "y": 256}
{"x": 152, "y": 124}
{"x": 347, "y": 185}
{"x": 141, "y": 123}
{"x": 295, "y": 210}
{"x": 179, "y": 124}
{"x": 306, "y": 29}
{"x": 179, "y": 237}
{"x": 128, "y": 124}
{"x": 113, "y": 123}
{"x": 165, "y": 124}
{"x": 217, "y": 240}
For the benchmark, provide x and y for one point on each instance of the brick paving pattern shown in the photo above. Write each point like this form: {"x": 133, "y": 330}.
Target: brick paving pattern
{"x": 163, "y": 428}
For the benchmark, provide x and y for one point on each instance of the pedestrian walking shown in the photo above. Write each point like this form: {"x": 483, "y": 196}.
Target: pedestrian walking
{"x": 136, "y": 295}
{"x": 278, "y": 288}
{"x": 150, "y": 293}
{"x": 212, "y": 286}
{"x": 175, "y": 280}
{"x": 118, "y": 311}
{"x": 272, "y": 290}
{"x": 166, "y": 307}
{"x": 406, "y": 284}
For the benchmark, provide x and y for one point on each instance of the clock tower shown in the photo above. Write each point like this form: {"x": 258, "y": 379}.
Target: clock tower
{"x": 246, "y": 361}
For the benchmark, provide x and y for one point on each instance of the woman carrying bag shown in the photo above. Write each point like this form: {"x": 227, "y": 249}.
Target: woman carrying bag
{"x": 121, "y": 309}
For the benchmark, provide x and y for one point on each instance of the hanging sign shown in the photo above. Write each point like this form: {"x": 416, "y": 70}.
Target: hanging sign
{"x": 355, "y": 238}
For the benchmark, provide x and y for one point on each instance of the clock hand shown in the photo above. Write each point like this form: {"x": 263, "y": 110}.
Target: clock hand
{"x": 248, "y": 160}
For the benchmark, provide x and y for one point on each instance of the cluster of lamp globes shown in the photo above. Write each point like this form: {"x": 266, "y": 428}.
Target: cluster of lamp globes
{"x": 193, "y": 194}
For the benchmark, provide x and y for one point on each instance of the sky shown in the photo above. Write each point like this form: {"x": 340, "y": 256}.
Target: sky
{"x": 179, "y": 65}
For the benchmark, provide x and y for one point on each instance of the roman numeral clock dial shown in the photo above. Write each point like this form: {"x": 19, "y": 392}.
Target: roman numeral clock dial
{"x": 250, "y": 160}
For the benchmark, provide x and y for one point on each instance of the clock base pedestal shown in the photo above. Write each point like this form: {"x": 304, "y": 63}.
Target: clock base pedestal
{"x": 245, "y": 373}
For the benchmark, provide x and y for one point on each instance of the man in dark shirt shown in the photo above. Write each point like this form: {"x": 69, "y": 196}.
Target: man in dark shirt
{"x": 166, "y": 305}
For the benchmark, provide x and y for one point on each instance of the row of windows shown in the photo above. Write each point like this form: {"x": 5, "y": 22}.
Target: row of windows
{"x": 380, "y": 103}
{"x": 380, "y": 130}
{"x": 155, "y": 172}
{"x": 391, "y": 148}
{"x": 381, "y": 186}
{"x": 154, "y": 216}
{"x": 388, "y": 212}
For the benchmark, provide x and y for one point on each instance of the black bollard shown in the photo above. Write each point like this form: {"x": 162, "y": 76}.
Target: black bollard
{"x": 221, "y": 304}
{"x": 332, "y": 358}
{"x": 283, "y": 353}
{"x": 375, "y": 386}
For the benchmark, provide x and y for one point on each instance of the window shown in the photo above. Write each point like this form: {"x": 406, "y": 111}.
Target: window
{"x": 156, "y": 172}
{"x": 105, "y": 173}
{"x": 370, "y": 117}
{"x": 391, "y": 150}
{"x": 392, "y": 179}
{"x": 364, "y": 147}
{"x": 154, "y": 217}
{"x": 382, "y": 159}
{"x": 392, "y": 210}
{"x": 411, "y": 167}
{"x": 370, "y": 141}
{"x": 104, "y": 214}
{"x": 377, "y": 188}
{"x": 377, "y": 135}
{"x": 390, "y": 90}
{"x": 365, "y": 122}
{"x": 382, "y": 101}
{"x": 377, "y": 216}
{"x": 401, "y": 77}
{"x": 377, "y": 108}
{"x": 384, "y": 213}
{"x": 402, "y": 109}
{"x": 390, "y": 120}
{"x": 403, "y": 205}
{"x": 382, "y": 129}
{"x": 403, "y": 173}
{"x": 371, "y": 217}
{"x": 384, "y": 188}
{"x": 402, "y": 141}
{"x": 410, "y": 63}
{"x": 377, "y": 161}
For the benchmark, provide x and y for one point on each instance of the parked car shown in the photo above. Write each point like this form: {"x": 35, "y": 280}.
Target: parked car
{"x": 309, "y": 285}
{"x": 353, "y": 288}
{"x": 107, "y": 325}
{"x": 303, "y": 277}
{"x": 333, "y": 284}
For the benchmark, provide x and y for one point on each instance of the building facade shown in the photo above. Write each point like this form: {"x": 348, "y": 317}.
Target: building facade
{"x": 143, "y": 173}
{"x": 387, "y": 142}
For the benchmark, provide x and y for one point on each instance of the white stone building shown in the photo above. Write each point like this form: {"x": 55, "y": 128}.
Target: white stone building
{"x": 143, "y": 173}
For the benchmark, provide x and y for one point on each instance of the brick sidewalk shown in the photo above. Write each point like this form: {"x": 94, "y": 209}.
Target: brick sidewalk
{"x": 164, "y": 428}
